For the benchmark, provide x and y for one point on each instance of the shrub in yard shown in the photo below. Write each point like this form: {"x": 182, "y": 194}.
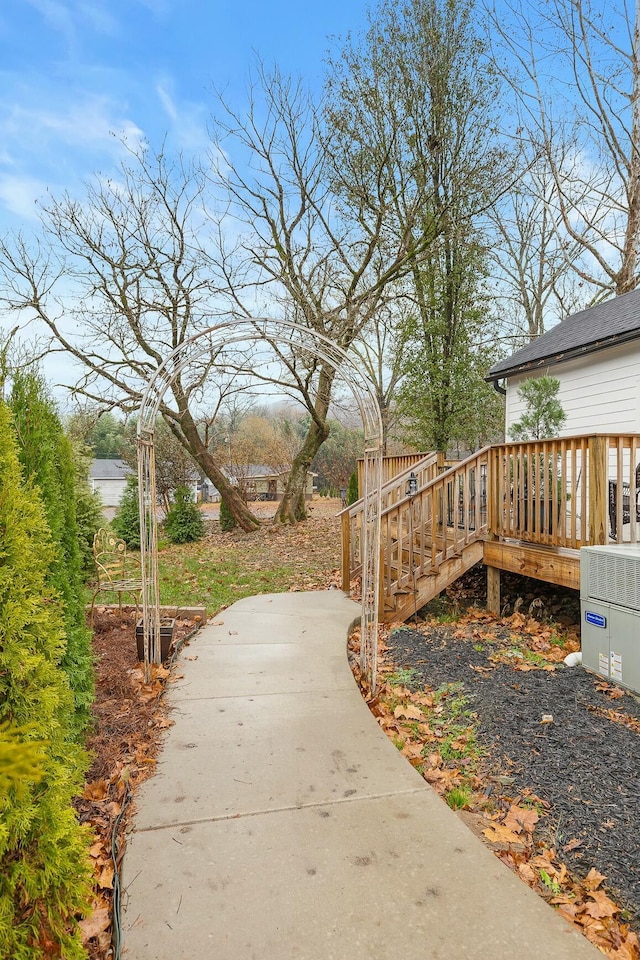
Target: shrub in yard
{"x": 352, "y": 492}
{"x": 48, "y": 464}
{"x": 89, "y": 516}
{"x": 227, "y": 519}
{"x": 184, "y": 522}
{"x": 126, "y": 522}
{"x": 44, "y": 875}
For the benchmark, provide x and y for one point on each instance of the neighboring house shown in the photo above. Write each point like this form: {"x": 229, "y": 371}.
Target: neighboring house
{"x": 263, "y": 483}
{"x": 595, "y": 354}
{"x": 257, "y": 482}
{"x": 109, "y": 479}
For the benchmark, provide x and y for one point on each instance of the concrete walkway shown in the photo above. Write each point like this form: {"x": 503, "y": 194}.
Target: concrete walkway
{"x": 282, "y": 823}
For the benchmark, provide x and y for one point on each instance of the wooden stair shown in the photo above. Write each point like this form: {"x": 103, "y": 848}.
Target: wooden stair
{"x": 428, "y": 539}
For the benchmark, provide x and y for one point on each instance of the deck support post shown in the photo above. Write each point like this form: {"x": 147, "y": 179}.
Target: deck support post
{"x": 346, "y": 552}
{"x": 381, "y": 591}
{"x": 493, "y": 591}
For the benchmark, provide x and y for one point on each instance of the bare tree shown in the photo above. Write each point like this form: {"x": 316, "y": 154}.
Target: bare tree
{"x": 578, "y": 84}
{"x": 313, "y": 239}
{"x": 121, "y": 278}
{"x": 382, "y": 349}
{"x": 534, "y": 258}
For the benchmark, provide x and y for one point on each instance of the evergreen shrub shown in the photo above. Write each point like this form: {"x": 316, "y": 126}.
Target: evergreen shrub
{"x": 48, "y": 465}
{"x": 352, "y": 492}
{"x": 126, "y": 522}
{"x": 89, "y": 515}
{"x": 44, "y": 873}
{"x": 184, "y": 522}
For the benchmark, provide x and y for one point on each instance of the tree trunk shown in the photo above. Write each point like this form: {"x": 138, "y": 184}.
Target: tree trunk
{"x": 230, "y": 494}
{"x": 293, "y": 507}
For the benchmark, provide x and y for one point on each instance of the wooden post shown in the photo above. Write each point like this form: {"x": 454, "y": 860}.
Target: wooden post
{"x": 381, "y": 581}
{"x": 493, "y": 591}
{"x": 346, "y": 551}
{"x": 598, "y": 489}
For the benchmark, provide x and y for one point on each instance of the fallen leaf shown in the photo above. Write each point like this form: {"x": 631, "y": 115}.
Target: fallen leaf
{"x": 409, "y": 712}
{"x": 497, "y": 833}
{"x": 412, "y": 750}
{"x": 521, "y": 817}
{"x": 602, "y": 906}
{"x": 95, "y": 923}
{"x": 593, "y": 879}
{"x": 98, "y": 790}
{"x": 527, "y": 873}
{"x": 105, "y": 878}
{"x": 572, "y": 845}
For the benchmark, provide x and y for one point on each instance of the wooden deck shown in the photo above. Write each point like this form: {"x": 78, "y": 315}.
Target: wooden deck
{"x": 526, "y": 508}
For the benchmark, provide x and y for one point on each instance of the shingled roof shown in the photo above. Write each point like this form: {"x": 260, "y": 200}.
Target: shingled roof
{"x": 614, "y": 321}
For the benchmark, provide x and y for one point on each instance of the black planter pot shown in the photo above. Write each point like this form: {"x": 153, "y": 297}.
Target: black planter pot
{"x": 167, "y": 626}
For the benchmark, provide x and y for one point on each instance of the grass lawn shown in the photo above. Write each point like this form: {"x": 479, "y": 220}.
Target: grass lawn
{"x": 222, "y": 568}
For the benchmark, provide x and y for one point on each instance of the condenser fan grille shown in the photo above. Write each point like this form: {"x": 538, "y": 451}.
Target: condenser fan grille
{"x": 615, "y": 579}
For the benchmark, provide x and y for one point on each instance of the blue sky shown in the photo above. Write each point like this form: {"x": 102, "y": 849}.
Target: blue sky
{"x": 74, "y": 72}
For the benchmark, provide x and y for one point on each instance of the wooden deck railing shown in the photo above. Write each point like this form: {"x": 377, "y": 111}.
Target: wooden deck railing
{"x": 567, "y": 493}
{"x": 564, "y": 492}
{"x": 393, "y": 466}
{"x": 418, "y": 532}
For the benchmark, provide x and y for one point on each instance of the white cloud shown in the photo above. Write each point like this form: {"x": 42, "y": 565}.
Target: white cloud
{"x": 19, "y": 194}
{"x": 188, "y": 120}
{"x": 68, "y": 17}
{"x": 88, "y": 123}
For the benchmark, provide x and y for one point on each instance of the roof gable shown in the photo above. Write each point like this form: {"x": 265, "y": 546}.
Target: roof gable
{"x": 614, "y": 321}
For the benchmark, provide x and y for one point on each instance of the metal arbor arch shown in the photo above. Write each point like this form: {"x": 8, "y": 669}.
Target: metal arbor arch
{"x": 320, "y": 347}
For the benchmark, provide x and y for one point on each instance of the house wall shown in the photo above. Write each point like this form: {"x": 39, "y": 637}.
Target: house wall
{"x": 600, "y": 392}
{"x": 110, "y": 491}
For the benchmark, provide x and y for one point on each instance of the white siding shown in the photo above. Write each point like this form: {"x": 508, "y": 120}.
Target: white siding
{"x": 600, "y": 392}
{"x": 110, "y": 491}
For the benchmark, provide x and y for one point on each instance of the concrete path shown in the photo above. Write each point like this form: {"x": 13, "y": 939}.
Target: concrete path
{"x": 282, "y": 823}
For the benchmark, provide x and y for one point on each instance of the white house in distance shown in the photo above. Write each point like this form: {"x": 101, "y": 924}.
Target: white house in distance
{"x": 109, "y": 478}
{"x": 595, "y": 354}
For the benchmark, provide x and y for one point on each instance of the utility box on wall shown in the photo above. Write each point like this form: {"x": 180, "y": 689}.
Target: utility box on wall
{"x": 610, "y": 613}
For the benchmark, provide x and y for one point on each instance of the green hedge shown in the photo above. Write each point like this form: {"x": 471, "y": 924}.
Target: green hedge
{"x": 44, "y": 872}
{"x": 48, "y": 465}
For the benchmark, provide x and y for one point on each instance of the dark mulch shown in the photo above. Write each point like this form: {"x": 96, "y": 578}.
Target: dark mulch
{"x": 585, "y": 765}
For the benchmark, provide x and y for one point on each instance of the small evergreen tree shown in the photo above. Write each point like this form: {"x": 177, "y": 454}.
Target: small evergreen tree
{"x": 184, "y": 522}
{"x": 352, "y": 492}
{"x": 544, "y": 415}
{"x": 227, "y": 520}
{"x": 48, "y": 463}
{"x": 89, "y": 515}
{"x": 44, "y": 875}
{"x": 126, "y": 522}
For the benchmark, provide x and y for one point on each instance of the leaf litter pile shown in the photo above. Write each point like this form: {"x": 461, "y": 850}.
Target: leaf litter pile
{"x": 541, "y": 760}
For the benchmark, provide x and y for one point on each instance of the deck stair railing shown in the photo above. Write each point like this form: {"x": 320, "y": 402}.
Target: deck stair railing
{"x": 423, "y": 533}
{"x": 393, "y": 491}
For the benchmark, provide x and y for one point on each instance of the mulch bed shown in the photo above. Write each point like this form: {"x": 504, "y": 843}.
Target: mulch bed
{"x": 585, "y": 763}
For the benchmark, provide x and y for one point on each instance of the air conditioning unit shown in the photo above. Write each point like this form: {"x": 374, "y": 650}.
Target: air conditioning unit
{"x": 610, "y": 612}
